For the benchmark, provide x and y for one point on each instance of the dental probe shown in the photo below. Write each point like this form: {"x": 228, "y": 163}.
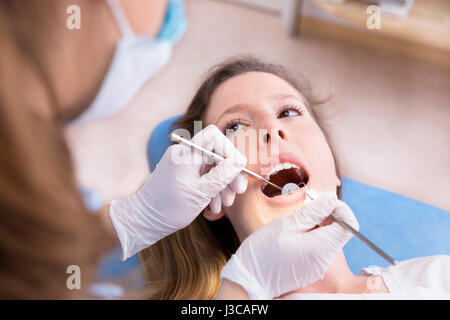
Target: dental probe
{"x": 216, "y": 157}
{"x": 370, "y": 244}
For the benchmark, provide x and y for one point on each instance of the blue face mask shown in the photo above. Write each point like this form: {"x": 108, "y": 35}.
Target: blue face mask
{"x": 136, "y": 59}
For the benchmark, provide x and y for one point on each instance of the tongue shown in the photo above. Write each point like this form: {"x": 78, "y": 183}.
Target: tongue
{"x": 284, "y": 176}
{"x": 280, "y": 179}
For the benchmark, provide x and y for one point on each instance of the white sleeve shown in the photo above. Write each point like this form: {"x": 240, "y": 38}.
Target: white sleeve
{"x": 237, "y": 273}
{"x": 431, "y": 273}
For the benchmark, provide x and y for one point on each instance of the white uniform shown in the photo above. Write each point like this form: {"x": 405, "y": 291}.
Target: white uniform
{"x": 420, "y": 278}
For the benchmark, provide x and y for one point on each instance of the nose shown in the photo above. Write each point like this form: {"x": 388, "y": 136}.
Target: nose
{"x": 274, "y": 133}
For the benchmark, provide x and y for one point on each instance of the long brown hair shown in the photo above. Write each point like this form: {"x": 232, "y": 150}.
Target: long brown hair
{"x": 187, "y": 264}
{"x": 44, "y": 225}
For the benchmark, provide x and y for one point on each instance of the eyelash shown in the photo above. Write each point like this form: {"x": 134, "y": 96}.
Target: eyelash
{"x": 300, "y": 110}
{"x": 231, "y": 122}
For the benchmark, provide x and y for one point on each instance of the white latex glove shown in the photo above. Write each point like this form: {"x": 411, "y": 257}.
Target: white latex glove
{"x": 282, "y": 256}
{"x": 177, "y": 192}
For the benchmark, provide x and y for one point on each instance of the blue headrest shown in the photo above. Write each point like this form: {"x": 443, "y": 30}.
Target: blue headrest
{"x": 159, "y": 141}
{"x": 404, "y": 228}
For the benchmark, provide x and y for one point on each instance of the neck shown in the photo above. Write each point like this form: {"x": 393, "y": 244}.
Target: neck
{"x": 338, "y": 279}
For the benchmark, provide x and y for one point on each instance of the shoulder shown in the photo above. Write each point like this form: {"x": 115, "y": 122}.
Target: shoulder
{"x": 426, "y": 272}
{"x": 437, "y": 261}
{"x": 424, "y": 264}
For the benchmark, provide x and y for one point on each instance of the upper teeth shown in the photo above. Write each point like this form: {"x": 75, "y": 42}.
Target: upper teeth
{"x": 281, "y": 166}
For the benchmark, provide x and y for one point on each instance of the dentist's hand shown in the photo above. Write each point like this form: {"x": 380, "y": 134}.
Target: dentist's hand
{"x": 177, "y": 192}
{"x": 283, "y": 255}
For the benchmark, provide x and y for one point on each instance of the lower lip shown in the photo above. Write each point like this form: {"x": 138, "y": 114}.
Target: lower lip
{"x": 285, "y": 200}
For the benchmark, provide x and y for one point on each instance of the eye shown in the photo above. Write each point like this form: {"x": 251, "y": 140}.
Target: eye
{"x": 290, "y": 111}
{"x": 232, "y": 127}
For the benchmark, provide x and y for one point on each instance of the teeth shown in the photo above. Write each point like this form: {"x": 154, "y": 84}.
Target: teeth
{"x": 281, "y": 166}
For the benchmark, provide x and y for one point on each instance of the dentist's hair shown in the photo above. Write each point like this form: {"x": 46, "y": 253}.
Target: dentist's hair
{"x": 187, "y": 264}
{"x": 44, "y": 224}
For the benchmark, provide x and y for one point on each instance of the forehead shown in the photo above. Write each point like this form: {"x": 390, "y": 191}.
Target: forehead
{"x": 249, "y": 88}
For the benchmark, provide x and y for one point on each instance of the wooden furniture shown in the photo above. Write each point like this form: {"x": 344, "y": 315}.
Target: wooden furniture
{"x": 427, "y": 24}
{"x": 424, "y": 33}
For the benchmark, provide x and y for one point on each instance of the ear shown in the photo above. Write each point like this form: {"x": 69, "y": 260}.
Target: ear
{"x": 208, "y": 215}
{"x": 338, "y": 181}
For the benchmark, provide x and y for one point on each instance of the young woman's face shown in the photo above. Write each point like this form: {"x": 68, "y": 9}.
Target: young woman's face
{"x": 272, "y": 118}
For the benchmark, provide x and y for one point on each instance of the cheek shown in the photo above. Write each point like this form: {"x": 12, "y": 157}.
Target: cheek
{"x": 313, "y": 143}
{"x": 248, "y": 144}
{"x": 317, "y": 153}
{"x": 243, "y": 203}
{"x": 247, "y": 214}
{"x": 245, "y": 141}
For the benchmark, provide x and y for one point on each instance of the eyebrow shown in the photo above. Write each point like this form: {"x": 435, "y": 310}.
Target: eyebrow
{"x": 242, "y": 106}
{"x": 281, "y": 96}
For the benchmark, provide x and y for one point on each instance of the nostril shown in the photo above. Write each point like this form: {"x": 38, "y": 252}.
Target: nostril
{"x": 281, "y": 134}
{"x": 266, "y": 138}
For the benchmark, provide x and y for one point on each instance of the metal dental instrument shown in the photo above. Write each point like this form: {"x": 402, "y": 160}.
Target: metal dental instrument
{"x": 216, "y": 157}
{"x": 366, "y": 241}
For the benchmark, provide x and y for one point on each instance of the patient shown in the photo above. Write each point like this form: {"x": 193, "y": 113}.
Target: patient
{"x": 240, "y": 95}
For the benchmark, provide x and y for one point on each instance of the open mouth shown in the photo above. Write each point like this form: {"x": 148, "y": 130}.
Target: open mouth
{"x": 282, "y": 174}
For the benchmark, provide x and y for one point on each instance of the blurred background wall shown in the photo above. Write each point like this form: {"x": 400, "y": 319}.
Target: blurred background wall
{"x": 389, "y": 118}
